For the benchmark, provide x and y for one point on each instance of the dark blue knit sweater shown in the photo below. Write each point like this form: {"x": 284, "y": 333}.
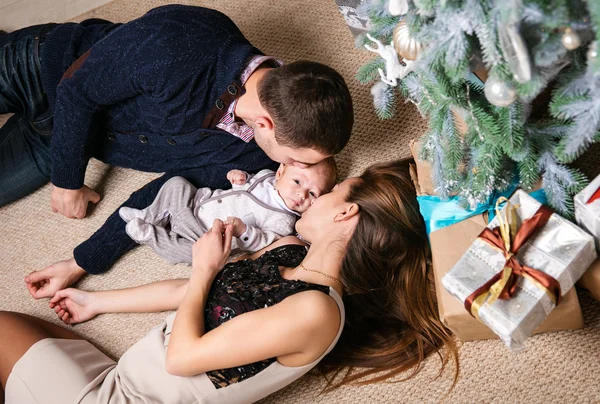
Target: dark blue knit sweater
{"x": 145, "y": 95}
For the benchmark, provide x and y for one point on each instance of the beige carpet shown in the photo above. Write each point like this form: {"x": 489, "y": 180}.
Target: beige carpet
{"x": 557, "y": 367}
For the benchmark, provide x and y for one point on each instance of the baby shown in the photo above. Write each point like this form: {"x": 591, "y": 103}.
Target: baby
{"x": 261, "y": 208}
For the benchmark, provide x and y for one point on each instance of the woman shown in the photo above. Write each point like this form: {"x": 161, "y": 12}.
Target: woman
{"x": 245, "y": 329}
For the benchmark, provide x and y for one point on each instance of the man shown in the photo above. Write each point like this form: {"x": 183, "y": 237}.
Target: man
{"x": 179, "y": 90}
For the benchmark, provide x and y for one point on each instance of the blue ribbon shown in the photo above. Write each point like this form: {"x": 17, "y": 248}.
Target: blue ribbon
{"x": 439, "y": 213}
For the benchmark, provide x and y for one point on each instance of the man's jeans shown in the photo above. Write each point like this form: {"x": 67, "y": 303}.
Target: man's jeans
{"x": 25, "y": 159}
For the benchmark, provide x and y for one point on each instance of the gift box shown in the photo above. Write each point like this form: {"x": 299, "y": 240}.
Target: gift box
{"x": 587, "y": 209}
{"x": 590, "y": 280}
{"x": 511, "y": 284}
{"x": 448, "y": 245}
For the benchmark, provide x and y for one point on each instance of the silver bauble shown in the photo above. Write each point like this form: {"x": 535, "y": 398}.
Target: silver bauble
{"x": 570, "y": 39}
{"x": 499, "y": 93}
{"x": 405, "y": 46}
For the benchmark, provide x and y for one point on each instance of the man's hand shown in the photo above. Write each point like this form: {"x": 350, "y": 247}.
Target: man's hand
{"x": 72, "y": 203}
{"x": 236, "y": 177}
{"x": 58, "y": 276}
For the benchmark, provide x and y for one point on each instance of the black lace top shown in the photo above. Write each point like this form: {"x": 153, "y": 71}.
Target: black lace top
{"x": 248, "y": 285}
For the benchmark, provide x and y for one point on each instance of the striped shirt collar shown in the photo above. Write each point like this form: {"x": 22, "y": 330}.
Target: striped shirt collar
{"x": 228, "y": 122}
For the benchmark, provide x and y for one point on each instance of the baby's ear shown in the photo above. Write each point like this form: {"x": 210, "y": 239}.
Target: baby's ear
{"x": 280, "y": 171}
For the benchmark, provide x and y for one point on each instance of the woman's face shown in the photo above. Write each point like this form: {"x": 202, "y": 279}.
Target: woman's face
{"x": 320, "y": 215}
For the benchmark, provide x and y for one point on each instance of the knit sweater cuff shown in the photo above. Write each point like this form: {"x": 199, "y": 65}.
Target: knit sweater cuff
{"x": 97, "y": 254}
{"x": 91, "y": 263}
{"x": 67, "y": 178}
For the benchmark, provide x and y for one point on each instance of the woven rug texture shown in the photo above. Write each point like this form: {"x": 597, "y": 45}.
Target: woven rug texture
{"x": 555, "y": 367}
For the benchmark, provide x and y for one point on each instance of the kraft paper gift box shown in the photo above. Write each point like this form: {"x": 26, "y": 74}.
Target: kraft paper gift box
{"x": 587, "y": 215}
{"x": 423, "y": 182}
{"x": 558, "y": 249}
{"x": 587, "y": 209}
{"x": 591, "y": 279}
{"x": 448, "y": 245}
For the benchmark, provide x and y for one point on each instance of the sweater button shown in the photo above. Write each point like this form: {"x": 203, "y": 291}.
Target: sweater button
{"x": 220, "y": 104}
{"x": 219, "y": 201}
{"x": 143, "y": 139}
{"x": 111, "y": 136}
{"x": 172, "y": 142}
{"x": 232, "y": 89}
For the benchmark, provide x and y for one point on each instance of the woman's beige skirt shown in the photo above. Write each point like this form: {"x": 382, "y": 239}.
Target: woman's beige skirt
{"x": 56, "y": 371}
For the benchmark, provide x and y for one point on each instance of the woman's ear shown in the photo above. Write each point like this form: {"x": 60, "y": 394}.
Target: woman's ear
{"x": 350, "y": 211}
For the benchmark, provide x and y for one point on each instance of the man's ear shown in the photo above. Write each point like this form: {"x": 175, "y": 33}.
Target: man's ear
{"x": 350, "y": 211}
{"x": 264, "y": 122}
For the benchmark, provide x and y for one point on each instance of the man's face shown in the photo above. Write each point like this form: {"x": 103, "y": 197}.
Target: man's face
{"x": 301, "y": 158}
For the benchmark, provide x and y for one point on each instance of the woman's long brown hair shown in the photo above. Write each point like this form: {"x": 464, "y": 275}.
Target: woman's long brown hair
{"x": 392, "y": 323}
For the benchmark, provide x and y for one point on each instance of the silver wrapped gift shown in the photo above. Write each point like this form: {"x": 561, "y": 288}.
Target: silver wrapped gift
{"x": 560, "y": 249}
{"x": 587, "y": 214}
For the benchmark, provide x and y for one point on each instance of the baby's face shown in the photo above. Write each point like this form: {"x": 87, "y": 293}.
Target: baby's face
{"x": 300, "y": 187}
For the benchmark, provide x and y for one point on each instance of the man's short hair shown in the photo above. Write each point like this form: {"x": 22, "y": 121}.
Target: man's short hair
{"x": 310, "y": 105}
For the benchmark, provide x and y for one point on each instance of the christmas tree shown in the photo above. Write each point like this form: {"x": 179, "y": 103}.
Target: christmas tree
{"x": 526, "y": 48}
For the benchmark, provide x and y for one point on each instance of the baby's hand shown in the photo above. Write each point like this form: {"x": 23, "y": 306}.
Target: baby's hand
{"x": 239, "y": 227}
{"x": 236, "y": 177}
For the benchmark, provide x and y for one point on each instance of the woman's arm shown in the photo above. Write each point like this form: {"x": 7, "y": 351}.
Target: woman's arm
{"x": 296, "y": 332}
{"x": 74, "y": 306}
{"x": 298, "y": 329}
{"x": 209, "y": 255}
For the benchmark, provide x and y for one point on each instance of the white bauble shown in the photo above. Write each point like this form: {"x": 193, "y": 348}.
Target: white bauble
{"x": 398, "y": 7}
{"x": 499, "y": 93}
{"x": 592, "y": 52}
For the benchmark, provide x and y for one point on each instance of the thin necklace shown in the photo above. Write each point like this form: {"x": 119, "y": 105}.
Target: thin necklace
{"x": 322, "y": 273}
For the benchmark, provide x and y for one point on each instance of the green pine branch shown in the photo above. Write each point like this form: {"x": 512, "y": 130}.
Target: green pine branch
{"x": 368, "y": 72}
{"x": 511, "y": 129}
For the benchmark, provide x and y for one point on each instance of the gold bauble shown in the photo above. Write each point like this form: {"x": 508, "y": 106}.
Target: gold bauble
{"x": 406, "y": 47}
{"x": 570, "y": 39}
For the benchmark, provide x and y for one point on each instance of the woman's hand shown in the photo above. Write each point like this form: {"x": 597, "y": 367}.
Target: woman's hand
{"x": 74, "y": 306}
{"x": 237, "y": 225}
{"x": 210, "y": 252}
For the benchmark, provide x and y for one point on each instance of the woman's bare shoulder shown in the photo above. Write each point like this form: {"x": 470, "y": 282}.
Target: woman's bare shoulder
{"x": 316, "y": 321}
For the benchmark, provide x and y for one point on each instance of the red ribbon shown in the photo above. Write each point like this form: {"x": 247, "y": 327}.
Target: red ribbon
{"x": 527, "y": 229}
{"x": 595, "y": 196}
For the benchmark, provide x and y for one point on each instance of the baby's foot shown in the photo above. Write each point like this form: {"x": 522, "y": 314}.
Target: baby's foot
{"x": 139, "y": 230}
{"x": 128, "y": 214}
